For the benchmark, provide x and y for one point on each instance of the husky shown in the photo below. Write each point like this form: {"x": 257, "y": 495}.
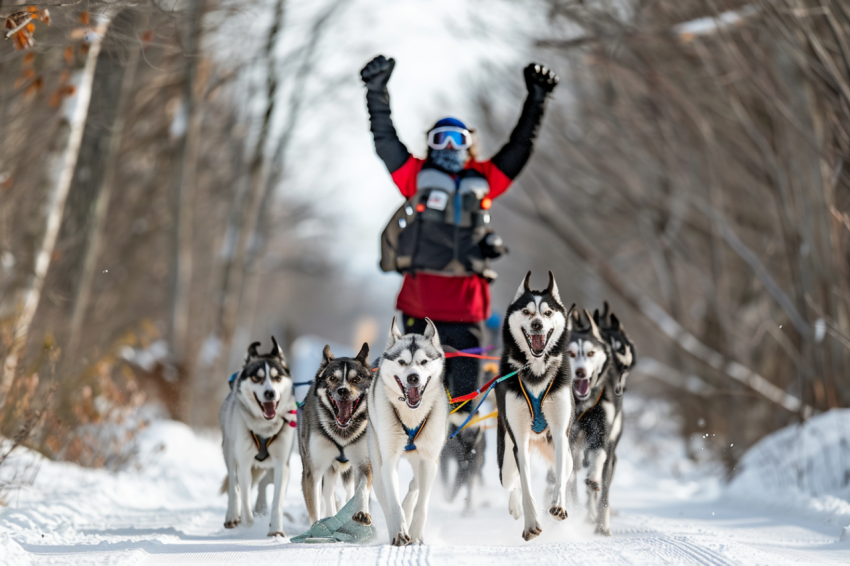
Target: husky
{"x": 332, "y": 433}
{"x": 536, "y": 406}
{"x": 257, "y": 424}
{"x": 596, "y": 430}
{"x": 408, "y": 416}
{"x": 622, "y": 347}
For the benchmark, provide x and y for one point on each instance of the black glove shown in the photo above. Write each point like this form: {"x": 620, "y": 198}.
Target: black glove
{"x": 377, "y": 72}
{"x": 539, "y": 80}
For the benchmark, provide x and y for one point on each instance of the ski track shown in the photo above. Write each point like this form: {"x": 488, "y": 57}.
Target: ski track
{"x": 171, "y": 513}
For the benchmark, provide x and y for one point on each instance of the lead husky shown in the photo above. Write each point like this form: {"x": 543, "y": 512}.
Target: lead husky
{"x": 536, "y": 406}
{"x": 332, "y": 433}
{"x": 408, "y": 416}
{"x": 257, "y": 423}
{"x": 597, "y": 428}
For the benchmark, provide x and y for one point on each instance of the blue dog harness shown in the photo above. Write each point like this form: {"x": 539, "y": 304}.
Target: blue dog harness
{"x": 411, "y": 433}
{"x": 535, "y": 406}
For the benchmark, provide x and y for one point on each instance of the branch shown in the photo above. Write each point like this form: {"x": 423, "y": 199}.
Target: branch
{"x": 19, "y": 27}
{"x": 659, "y": 317}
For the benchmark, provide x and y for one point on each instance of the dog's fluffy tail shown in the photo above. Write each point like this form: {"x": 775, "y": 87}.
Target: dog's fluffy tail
{"x": 256, "y": 474}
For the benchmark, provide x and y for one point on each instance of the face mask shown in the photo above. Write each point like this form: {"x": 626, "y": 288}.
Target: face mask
{"x": 451, "y": 160}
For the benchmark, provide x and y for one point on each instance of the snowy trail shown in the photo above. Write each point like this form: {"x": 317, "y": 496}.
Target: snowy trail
{"x": 171, "y": 513}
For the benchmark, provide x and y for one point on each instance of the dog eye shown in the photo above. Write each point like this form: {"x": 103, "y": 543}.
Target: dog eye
{"x": 355, "y": 380}
{"x": 548, "y": 314}
{"x": 423, "y": 362}
{"x": 572, "y": 354}
{"x": 402, "y": 363}
{"x": 590, "y": 354}
{"x": 526, "y": 312}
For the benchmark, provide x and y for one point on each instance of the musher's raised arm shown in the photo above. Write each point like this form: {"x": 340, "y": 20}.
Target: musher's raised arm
{"x": 375, "y": 75}
{"x": 513, "y": 156}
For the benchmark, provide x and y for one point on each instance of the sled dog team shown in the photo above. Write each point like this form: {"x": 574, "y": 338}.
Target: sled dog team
{"x": 562, "y": 378}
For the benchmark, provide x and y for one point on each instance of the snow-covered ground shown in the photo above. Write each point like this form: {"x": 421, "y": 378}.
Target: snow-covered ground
{"x": 667, "y": 510}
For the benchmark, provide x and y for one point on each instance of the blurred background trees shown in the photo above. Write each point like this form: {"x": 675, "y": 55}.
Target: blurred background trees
{"x": 179, "y": 180}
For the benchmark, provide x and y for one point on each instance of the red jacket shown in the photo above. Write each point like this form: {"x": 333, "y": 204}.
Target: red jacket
{"x": 439, "y": 297}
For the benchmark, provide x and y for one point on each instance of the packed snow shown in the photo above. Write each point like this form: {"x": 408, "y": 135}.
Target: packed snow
{"x": 789, "y": 505}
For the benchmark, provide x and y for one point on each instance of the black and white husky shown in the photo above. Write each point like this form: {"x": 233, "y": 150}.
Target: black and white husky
{"x": 332, "y": 432}
{"x": 597, "y": 428}
{"x": 257, "y": 420}
{"x": 622, "y": 347}
{"x": 535, "y": 406}
{"x": 408, "y": 416}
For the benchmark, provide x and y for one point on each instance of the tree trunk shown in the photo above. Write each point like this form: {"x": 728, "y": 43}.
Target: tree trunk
{"x": 184, "y": 172}
{"x": 59, "y": 164}
{"x": 242, "y": 221}
{"x": 112, "y": 130}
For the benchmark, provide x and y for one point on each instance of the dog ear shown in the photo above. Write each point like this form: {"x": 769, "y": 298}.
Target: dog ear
{"x": 593, "y": 328}
{"x": 327, "y": 355}
{"x": 252, "y": 352}
{"x": 570, "y": 314}
{"x": 523, "y": 287}
{"x": 552, "y": 289}
{"x": 363, "y": 355}
{"x": 615, "y": 323}
{"x": 395, "y": 335}
{"x": 277, "y": 351}
{"x": 605, "y": 313}
{"x": 596, "y": 316}
{"x": 431, "y": 333}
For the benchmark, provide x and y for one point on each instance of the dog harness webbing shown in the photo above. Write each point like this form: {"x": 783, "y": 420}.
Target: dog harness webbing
{"x": 535, "y": 405}
{"x": 412, "y": 433}
{"x": 594, "y": 404}
{"x": 262, "y": 445}
{"x": 341, "y": 458}
{"x": 474, "y": 394}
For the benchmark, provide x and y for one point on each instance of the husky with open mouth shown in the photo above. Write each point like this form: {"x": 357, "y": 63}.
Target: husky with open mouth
{"x": 332, "y": 434}
{"x": 408, "y": 416}
{"x": 536, "y": 405}
{"x": 257, "y": 424}
{"x": 599, "y": 422}
{"x": 592, "y": 364}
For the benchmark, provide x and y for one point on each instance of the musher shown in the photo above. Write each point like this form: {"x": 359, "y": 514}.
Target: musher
{"x": 445, "y": 257}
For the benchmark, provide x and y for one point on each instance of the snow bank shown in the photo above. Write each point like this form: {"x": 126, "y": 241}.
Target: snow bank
{"x": 803, "y": 467}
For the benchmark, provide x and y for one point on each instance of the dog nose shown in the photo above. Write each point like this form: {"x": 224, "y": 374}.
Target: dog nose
{"x": 580, "y": 373}
{"x": 343, "y": 392}
{"x": 536, "y": 325}
{"x": 413, "y": 379}
{"x": 269, "y": 394}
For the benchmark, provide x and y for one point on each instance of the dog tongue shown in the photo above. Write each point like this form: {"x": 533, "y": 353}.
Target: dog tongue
{"x": 269, "y": 410}
{"x": 581, "y": 386}
{"x": 538, "y": 341}
{"x": 414, "y": 394}
{"x": 345, "y": 410}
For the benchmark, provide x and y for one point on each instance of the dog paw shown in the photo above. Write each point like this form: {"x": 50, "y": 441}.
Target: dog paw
{"x": 558, "y": 512}
{"x": 248, "y": 522}
{"x": 231, "y": 524}
{"x": 362, "y": 518}
{"x": 277, "y": 534}
{"x": 594, "y": 485}
{"x": 401, "y": 539}
{"x": 532, "y": 532}
{"x": 600, "y": 530}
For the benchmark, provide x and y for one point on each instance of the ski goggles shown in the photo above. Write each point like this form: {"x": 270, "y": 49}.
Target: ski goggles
{"x": 440, "y": 138}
